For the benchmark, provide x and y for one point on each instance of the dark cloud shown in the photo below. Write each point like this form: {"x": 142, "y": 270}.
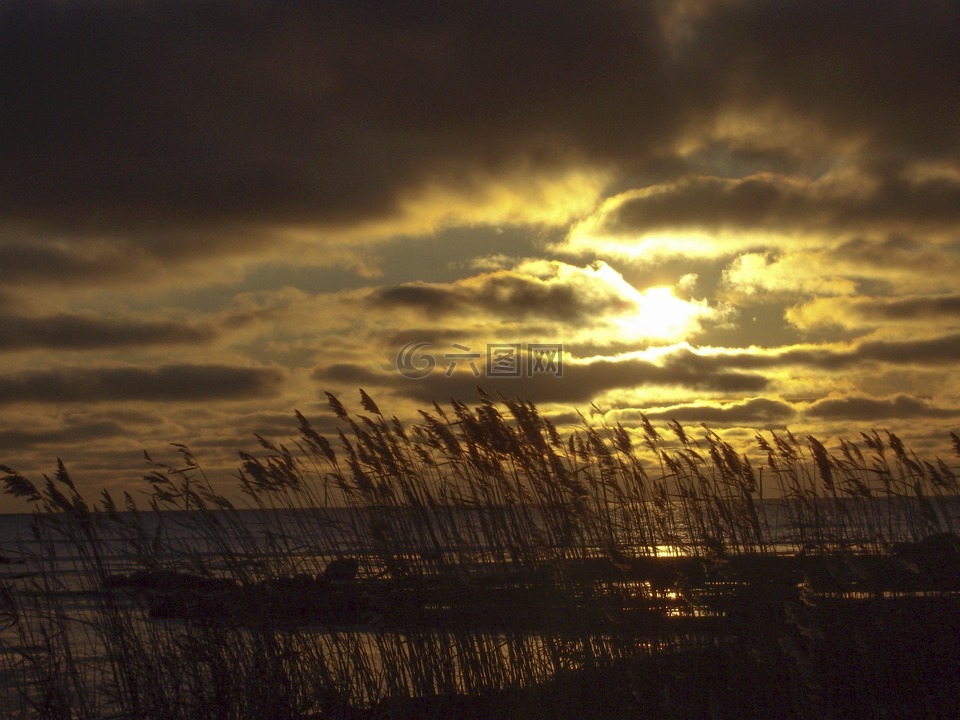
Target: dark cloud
{"x": 909, "y": 311}
{"x": 881, "y": 71}
{"x": 869, "y": 409}
{"x": 936, "y": 351}
{"x": 168, "y": 383}
{"x": 347, "y": 373}
{"x": 65, "y": 261}
{"x": 123, "y": 115}
{"x": 20, "y": 439}
{"x": 503, "y": 294}
{"x": 930, "y": 352}
{"x": 77, "y": 332}
{"x": 434, "y": 336}
{"x": 914, "y": 308}
{"x": 433, "y": 300}
{"x": 579, "y": 383}
{"x": 779, "y": 203}
{"x": 897, "y": 252}
{"x": 181, "y": 129}
{"x": 754, "y": 411}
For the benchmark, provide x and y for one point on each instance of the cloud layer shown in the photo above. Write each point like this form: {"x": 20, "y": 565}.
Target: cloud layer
{"x": 744, "y": 212}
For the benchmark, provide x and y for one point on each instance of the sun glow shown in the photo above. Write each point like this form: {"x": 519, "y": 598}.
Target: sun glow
{"x": 664, "y": 316}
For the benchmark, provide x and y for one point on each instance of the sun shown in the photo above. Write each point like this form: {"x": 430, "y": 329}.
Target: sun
{"x": 662, "y": 315}
{"x": 654, "y": 314}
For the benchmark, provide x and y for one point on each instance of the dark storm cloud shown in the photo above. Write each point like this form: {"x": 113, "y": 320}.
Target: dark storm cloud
{"x": 126, "y": 116}
{"x": 77, "y": 332}
{"x": 874, "y": 77}
{"x": 509, "y": 295}
{"x": 899, "y": 408}
{"x": 168, "y": 383}
{"x": 132, "y": 132}
{"x": 882, "y": 71}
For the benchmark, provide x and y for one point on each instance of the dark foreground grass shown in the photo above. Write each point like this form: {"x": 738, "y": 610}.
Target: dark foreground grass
{"x": 479, "y": 564}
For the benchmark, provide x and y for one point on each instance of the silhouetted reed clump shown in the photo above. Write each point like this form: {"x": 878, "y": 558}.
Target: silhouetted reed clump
{"x": 479, "y": 562}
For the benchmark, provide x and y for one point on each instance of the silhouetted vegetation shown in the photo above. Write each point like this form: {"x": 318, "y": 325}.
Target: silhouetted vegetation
{"x": 481, "y": 563}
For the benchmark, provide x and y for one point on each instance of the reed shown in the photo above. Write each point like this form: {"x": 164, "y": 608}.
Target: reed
{"x": 476, "y": 553}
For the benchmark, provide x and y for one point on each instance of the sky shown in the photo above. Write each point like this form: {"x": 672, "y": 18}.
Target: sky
{"x": 744, "y": 213}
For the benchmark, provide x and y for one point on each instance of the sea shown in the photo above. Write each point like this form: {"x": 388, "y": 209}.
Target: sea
{"x": 304, "y": 541}
{"x": 54, "y": 564}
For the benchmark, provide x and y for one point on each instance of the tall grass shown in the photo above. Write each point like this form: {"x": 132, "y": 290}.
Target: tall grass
{"x": 492, "y": 553}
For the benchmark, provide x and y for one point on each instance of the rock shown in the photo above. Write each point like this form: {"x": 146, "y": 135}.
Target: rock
{"x": 936, "y": 558}
{"x": 341, "y": 570}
